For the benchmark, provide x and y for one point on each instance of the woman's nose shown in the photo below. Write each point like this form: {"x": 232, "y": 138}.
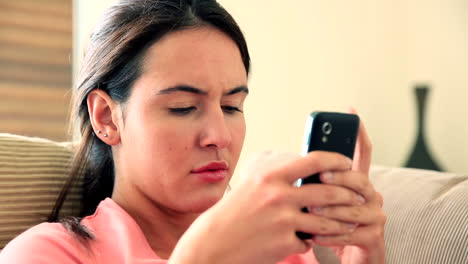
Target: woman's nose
{"x": 215, "y": 132}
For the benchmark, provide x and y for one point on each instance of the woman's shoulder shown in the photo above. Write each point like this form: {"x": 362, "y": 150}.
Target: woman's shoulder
{"x": 45, "y": 233}
{"x": 44, "y": 243}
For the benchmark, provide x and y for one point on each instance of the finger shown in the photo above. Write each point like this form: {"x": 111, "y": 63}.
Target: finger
{"x": 314, "y": 162}
{"x": 362, "y": 215}
{"x": 300, "y": 246}
{"x": 353, "y": 180}
{"x": 318, "y": 225}
{"x": 365, "y": 236}
{"x": 320, "y": 195}
{"x": 380, "y": 199}
{"x": 363, "y": 151}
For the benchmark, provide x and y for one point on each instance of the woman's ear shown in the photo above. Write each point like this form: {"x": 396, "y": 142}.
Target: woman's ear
{"x": 104, "y": 115}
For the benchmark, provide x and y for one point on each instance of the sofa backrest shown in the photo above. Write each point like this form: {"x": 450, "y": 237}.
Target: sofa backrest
{"x": 32, "y": 173}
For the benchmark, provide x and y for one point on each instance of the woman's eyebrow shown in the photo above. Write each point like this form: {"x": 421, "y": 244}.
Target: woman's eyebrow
{"x": 194, "y": 90}
{"x": 182, "y": 88}
{"x": 238, "y": 89}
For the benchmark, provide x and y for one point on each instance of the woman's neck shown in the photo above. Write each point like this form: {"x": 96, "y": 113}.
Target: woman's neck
{"x": 161, "y": 226}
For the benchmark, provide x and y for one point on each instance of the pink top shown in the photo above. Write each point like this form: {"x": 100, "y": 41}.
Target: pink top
{"x": 118, "y": 240}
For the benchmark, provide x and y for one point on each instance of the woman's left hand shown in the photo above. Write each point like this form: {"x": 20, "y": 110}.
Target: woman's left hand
{"x": 366, "y": 243}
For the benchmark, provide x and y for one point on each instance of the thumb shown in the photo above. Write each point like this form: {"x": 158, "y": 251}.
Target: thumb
{"x": 363, "y": 150}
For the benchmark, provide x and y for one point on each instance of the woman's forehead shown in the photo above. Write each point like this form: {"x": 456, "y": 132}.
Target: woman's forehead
{"x": 202, "y": 57}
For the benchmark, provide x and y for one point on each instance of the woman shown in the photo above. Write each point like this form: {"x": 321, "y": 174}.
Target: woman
{"x": 160, "y": 106}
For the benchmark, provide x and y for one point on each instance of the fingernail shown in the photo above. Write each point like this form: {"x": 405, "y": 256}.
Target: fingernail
{"x": 319, "y": 238}
{"x": 317, "y": 210}
{"x": 351, "y": 227}
{"x": 327, "y": 176}
{"x": 352, "y": 110}
{"x": 361, "y": 199}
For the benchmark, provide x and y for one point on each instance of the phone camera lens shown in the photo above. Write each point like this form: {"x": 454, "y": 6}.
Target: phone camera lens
{"x": 327, "y": 128}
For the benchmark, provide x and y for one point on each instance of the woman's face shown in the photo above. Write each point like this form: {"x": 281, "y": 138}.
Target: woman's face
{"x": 183, "y": 126}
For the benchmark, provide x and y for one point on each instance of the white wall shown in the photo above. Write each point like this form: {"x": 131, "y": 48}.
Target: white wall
{"x": 85, "y": 16}
{"x": 327, "y": 55}
{"x": 438, "y": 52}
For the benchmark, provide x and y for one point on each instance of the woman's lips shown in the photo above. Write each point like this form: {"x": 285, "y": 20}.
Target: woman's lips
{"x": 212, "y": 172}
{"x": 211, "y": 176}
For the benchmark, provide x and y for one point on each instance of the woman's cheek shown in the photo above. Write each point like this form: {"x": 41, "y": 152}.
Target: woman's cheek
{"x": 238, "y": 131}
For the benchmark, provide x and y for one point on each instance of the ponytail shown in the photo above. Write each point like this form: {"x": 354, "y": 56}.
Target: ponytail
{"x": 93, "y": 164}
{"x": 98, "y": 180}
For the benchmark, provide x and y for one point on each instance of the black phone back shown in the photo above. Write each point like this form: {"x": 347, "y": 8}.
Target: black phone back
{"x": 328, "y": 131}
{"x": 336, "y": 132}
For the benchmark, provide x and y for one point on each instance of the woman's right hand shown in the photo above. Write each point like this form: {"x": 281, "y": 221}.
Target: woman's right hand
{"x": 258, "y": 220}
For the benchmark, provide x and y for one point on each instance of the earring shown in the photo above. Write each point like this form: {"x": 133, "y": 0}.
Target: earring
{"x": 105, "y": 135}
{"x": 99, "y": 132}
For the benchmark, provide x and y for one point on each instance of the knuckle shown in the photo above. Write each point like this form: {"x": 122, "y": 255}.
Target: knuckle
{"x": 376, "y": 233}
{"x": 314, "y": 161}
{"x": 355, "y": 199}
{"x": 285, "y": 221}
{"x": 379, "y": 233}
{"x": 303, "y": 248}
{"x": 267, "y": 177}
{"x": 380, "y": 199}
{"x": 329, "y": 195}
{"x": 322, "y": 160}
{"x": 362, "y": 179}
{"x": 327, "y": 211}
{"x": 293, "y": 244}
{"x": 356, "y": 212}
{"x": 323, "y": 225}
{"x": 363, "y": 185}
{"x": 366, "y": 183}
{"x": 346, "y": 239}
{"x": 383, "y": 218}
{"x": 273, "y": 198}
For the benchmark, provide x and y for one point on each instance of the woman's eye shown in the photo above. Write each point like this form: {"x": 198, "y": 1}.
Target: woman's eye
{"x": 182, "y": 111}
{"x": 230, "y": 109}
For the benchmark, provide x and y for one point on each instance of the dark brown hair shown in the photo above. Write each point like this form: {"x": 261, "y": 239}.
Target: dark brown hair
{"x": 112, "y": 63}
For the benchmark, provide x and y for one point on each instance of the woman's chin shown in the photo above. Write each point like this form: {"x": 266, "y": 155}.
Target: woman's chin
{"x": 202, "y": 202}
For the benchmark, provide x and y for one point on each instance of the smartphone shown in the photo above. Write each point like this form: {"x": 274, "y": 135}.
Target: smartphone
{"x": 328, "y": 131}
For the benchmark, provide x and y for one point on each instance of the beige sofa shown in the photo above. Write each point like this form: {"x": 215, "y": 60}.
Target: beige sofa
{"x": 427, "y": 211}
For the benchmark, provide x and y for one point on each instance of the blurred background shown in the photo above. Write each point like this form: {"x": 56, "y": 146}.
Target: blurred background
{"x": 306, "y": 56}
{"x": 36, "y": 45}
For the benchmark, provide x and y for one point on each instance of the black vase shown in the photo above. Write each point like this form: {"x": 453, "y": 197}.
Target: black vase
{"x": 420, "y": 156}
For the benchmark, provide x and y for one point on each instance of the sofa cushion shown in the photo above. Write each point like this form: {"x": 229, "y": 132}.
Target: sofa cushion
{"x": 427, "y": 215}
{"x": 32, "y": 172}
